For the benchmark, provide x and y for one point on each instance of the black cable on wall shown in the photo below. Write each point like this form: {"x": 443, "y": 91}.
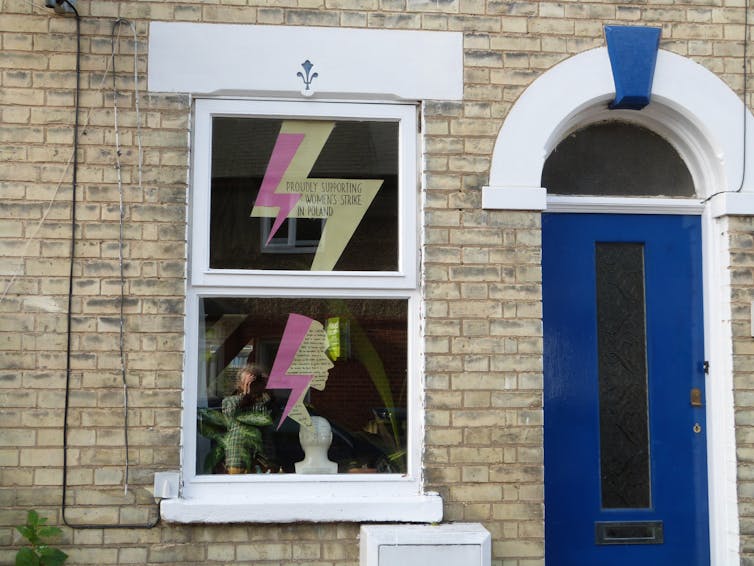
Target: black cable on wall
{"x": 69, "y": 347}
{"x": 744, "y": 110}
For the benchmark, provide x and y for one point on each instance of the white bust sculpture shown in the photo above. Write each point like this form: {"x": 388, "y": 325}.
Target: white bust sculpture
{"x": 315, "y": 441}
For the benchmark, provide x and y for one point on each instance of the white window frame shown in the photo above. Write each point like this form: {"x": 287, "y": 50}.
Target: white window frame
{"x": 293, "y": 497}
{"x": 290, "y": 244}
{"x": 405, "y": 114}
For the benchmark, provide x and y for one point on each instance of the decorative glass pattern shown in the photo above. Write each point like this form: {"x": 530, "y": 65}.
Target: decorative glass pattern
{"x": 616, "y": 159}
{"x": 622, "y": 368}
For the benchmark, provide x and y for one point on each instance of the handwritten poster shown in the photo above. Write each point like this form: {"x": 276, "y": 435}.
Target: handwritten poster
{"x": 288, "y": 192}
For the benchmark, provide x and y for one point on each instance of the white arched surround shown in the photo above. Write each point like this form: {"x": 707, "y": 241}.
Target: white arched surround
{"x": 704, "y": 120}
{"x": 691, "y": 108}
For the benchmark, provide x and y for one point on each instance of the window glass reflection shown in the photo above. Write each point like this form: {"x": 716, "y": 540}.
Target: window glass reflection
{"x": 304, "y": 195}
{"x": 270, "y": 366}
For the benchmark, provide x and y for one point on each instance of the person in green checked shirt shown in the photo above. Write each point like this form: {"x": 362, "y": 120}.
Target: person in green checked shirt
{"x": 247, "y": 411}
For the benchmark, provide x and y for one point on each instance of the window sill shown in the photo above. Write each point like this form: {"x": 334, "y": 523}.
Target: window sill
{"x": 423, "y": 508}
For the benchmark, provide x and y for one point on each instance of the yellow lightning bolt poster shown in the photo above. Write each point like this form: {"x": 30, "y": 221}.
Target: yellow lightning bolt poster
{"x": 287, "y": 191}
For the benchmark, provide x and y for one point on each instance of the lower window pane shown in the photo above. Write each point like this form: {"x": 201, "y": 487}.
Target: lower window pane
{"x": 276, "y": 373}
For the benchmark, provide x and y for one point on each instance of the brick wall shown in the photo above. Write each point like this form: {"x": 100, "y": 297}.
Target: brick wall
{"x": 741, "y": 241}
{"x": 484, "y": 381}
{"x": 482, "y": 275}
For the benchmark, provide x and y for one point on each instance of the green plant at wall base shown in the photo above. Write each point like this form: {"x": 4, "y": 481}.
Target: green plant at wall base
{"x": 39, "y": 554}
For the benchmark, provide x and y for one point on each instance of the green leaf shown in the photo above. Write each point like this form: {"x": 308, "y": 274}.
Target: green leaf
{"x": 213, "y": 417}
{"x": 211, "y": 432}
{"x": 211, "y": 423}
{"x": 251, "y": 437}
{"x": 215, "y": 456}
{"x": 246, "y": 459}
{"x": 30, "y": 534}
{"x": 26, "y": 557}
{"x": 27, "y": 532}
{"x": 254, "y": 419}
{"x": 33, "y": 519}
{"x": 47, "y": 532}
{"x": 52, "y": 556}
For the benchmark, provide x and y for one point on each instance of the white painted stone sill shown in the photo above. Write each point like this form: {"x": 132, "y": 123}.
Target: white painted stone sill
{"x": 421, "y": 508}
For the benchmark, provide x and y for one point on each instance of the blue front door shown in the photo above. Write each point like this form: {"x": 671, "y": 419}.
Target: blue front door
{"x": 624, "y": 371}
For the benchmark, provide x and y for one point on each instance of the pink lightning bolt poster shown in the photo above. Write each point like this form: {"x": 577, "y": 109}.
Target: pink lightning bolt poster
{"x": 301, "y": 363}
{"x": 287, "y": 191}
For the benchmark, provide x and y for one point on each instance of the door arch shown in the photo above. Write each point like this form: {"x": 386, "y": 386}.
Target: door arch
{"x": 704, "y": 121}
{"x": 691, "y": 107}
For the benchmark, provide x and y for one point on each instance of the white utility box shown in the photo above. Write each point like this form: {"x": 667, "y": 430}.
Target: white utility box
{"x": 454, "y": 544}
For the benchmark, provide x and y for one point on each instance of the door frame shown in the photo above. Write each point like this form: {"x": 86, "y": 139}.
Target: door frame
{"x": 705, "y": 124}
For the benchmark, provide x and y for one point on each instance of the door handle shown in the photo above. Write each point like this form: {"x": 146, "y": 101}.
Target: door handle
{"x": 696, "y": 397}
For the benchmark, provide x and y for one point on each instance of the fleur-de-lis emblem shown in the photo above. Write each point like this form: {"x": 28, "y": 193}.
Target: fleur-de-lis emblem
{"x": 308, "y": 78}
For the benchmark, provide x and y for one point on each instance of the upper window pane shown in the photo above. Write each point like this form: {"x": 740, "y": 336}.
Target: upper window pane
{"x": 616, "y": 159}
{"x": 296, "y": 194}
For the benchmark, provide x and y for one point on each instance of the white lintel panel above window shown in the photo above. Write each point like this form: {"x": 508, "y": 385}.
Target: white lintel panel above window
{"x": 281, "y": 61}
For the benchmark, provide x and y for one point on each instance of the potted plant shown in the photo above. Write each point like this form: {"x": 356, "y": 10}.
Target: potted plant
{"x": 215, "y": 425}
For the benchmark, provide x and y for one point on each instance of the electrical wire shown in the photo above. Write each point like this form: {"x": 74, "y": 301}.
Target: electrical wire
{"x": 121, "y": 208}
{"x": 59, "y": 184}
{"x": 69, "y": 333}
{"x": 744, "y": 110}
